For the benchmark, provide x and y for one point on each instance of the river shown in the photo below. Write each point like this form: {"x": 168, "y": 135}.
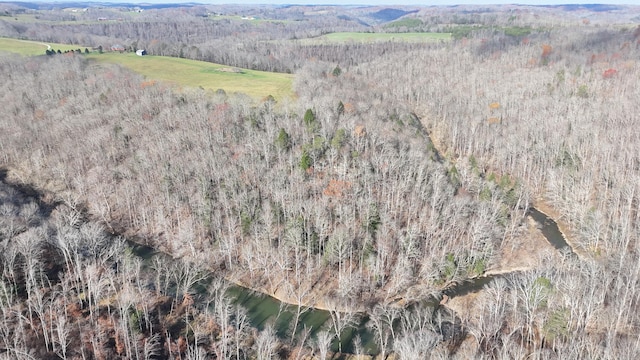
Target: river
{"x": 263, "y": 310}
{"x": 549, "y": 229}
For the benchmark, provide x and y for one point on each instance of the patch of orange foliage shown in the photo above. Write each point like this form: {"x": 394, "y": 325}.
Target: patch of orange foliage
{"x": 360, "y": 131}
{"x": 493, "y": 120}
{"x": 147, "y": 83}
{"x": 120, "y": 344}
{"x": 181, "y": 345}
{"x": 336, "y": 188}
{"x": 546, "y": 50}
{"x": 494, "y": 105}
{"x": 349, "y": 108}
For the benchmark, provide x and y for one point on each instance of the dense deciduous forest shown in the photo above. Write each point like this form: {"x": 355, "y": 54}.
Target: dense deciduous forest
{"x": 398, "y": 171}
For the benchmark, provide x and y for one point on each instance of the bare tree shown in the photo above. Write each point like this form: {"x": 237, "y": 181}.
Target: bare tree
{"x": 340, "y": 320}
{"x": 323, "y": 343}
{"x": 382, "y": 321}
{"x": 62, "y": 335}
{"x": 266, "y": 344}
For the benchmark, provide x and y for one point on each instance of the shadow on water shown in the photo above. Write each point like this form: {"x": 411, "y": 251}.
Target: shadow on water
{"x": 550, "y": 230}
{"x": 264, "y": 310}
{"x": 360, "y": 334}
{"x": 468, "y": 286}
{"x": 144, "y": 252}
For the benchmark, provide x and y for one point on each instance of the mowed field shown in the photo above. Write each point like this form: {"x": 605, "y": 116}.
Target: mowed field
{"x": 184, "y": 72}
{"x": 341, "y": 37}
{"x": 31, "y": 48}
{"x": 181, "y": 72}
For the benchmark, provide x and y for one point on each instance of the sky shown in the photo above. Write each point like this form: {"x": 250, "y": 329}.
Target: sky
{"x": 368, "y": 2}
{"x": 404, "y": 2}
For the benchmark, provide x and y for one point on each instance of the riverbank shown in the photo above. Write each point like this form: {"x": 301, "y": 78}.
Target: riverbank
{"x": 522, "y": 254}
{"x": 564, "y": 228}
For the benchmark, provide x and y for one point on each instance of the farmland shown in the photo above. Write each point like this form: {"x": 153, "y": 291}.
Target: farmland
{"x": 30, "y": 48}
{"x": 180, "y": 72}
{"x": 192, "y": 73}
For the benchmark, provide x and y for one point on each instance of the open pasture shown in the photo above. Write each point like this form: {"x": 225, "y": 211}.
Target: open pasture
{"x": 30, "y": 48}
{"x": 184, "y": 72}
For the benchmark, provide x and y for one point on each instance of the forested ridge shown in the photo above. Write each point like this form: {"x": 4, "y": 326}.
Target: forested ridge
{"x": 380, "y": 185}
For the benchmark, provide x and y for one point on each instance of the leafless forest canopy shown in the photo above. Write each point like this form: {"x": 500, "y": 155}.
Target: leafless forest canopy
{"x": 398, "y": 170}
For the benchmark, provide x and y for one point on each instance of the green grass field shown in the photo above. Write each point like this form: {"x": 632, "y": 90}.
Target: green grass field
{"x": 183, "y": 72}
{"x": 340, "y": 37}
{"x": 18, "y": 18}
{"x": 34, "y": 18}
{"x": 30, "y": 48}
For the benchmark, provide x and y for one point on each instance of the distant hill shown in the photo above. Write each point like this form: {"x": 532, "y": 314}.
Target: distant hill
{"x": 590, "y": 7}
{"x": 84, "y": 4}
{"x": 390, "y": 14}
